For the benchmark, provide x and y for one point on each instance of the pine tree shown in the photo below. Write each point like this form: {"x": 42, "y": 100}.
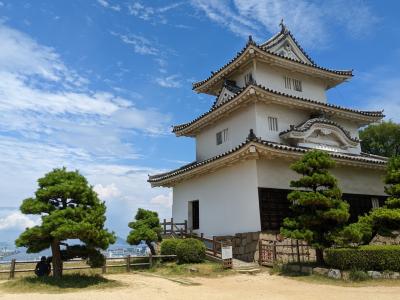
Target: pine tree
{"x": 383, "y": 220}
{"x": 318, "y": 212}
{"x": 146, "y": 227}
{"x": 69, "y": 209}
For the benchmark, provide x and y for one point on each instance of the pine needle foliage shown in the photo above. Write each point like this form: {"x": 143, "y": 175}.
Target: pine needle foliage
{"x": 146, "y": 227}
{"x": 70, "y": 210}
{"x": 383, "y": 220}
{"x": 318, "y": 211}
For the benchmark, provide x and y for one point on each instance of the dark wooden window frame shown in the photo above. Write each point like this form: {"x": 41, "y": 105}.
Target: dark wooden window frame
{"x": 274, "y": 206}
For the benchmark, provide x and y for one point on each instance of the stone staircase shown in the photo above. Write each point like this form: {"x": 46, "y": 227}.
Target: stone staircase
{"x": 245, "y": 267}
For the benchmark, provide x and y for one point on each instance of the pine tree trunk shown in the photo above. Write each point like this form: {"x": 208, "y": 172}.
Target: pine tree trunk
{"x": 57, "y": 261}
{"x": 319, "y": 253}
{"x": 151, "y": 247}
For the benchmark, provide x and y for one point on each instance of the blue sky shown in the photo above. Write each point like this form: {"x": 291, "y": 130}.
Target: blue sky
{"x": 95, "y": 85}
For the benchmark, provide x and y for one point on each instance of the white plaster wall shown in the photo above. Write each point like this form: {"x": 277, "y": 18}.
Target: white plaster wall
{"x": 273, "y": 78}
{"x": 228, "y": 200}
{"x": 277, "y": 174}
{"x": 239, "y": 76}
{"x": 238, "y": 124}
{"x": 286, "y": 116}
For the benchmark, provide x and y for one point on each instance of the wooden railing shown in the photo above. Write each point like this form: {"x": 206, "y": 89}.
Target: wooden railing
{"x": 127, "y": 262}
{"x": 213, "y": 244}
{"x": 175, "y": 229}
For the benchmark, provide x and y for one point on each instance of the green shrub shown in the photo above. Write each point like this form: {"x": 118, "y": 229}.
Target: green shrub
{"x": 357, "y": 275}
{"x": 168, "y": 247}
{"x": 190, "y": 251}
{"x": 366, "y": 258}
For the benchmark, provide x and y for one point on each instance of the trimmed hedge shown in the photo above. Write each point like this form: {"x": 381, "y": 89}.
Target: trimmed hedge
{"x": 367, "y": 258}
{"x": 190, "y": 251}
{"x": 168, "y": 247}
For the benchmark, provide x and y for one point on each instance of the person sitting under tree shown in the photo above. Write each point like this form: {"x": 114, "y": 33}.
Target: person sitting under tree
{"x": 43, "y": 267}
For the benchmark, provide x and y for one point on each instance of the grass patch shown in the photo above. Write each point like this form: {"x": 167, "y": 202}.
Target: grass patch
{"x": 68, "y": 283}
{"x": 205, "y": 269}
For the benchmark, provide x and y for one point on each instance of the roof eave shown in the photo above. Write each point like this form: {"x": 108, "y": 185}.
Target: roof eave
{"x": 188, "y": 129}
{"x": 208, "y": 85}
{"x": 253, "y": 149}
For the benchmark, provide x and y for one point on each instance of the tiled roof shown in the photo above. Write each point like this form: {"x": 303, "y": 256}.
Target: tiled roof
{"x": 378, "y": 114}
{"x": 307, "y": 125}
{"x": 282, "y": 35}
{"x": 251, "y": 43}
{"x": 231, "y": 86}
{"x": 363, "y": 158}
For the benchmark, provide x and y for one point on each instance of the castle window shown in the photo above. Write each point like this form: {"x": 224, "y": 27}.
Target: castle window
{"x": 248, "y": 79}
{"x": 272, "y": 124}
{"x": 288, "y": 83}
{"x": 295, "y": 84}
{"x": 222, "y": 136}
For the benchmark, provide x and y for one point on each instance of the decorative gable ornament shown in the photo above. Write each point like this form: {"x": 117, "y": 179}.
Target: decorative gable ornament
{"x": 320, "y": 133}
{"x": 284, "y": 44}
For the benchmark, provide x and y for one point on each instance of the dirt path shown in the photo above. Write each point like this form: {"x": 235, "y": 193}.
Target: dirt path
{"x": 246, "y": 287}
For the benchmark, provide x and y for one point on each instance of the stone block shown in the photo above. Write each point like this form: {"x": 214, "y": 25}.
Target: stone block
{"x": 334, "y": 273}
{"x": 255, "y": 236}
{"x": 249, "y": 238}
{"x": 321, "y": 271}
{"x": 394, "y": 275}
{"x": 374, "y": 274}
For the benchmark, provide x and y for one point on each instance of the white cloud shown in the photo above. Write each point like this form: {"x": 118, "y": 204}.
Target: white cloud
{"x": 50, "y": 118}
{"x": 16, "y": 220}
{"x": 172, "y": 81}
{"x": 384, "y": 94}
{"x": 19, "y": 52}
{"x": 107, "y": 191}
{"x": 163, "y": 200}
{"x": 151, "y": 13}
{"x": 140, "y": 44}
{"x": 308, "y": 20}
{"x": 106, "y": 4}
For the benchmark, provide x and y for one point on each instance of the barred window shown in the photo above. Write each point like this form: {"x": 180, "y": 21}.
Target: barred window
{"x": 273, "y": 124}
{"x": 293, "y": 84}
{"x": 288, "y": 83}
{"x": 297, "y": 85}
{"x": 248, "y": 78}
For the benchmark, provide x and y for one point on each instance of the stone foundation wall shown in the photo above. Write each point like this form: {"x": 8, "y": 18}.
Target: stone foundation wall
{"x": 245, "y": 245}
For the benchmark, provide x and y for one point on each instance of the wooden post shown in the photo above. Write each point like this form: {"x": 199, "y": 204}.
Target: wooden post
{"x": 181, "y": 232}
{"x": 104, "y": 268}
{"x": 260, "y": 252}
{"x": 191, "y": 232}
{"x": 172, "y": 226}
{"x": 298, "y": 251}
{"x": 214, "y": 245}
{"x": 150, "y": 260}
{"x": 12, "y": 269}
{"x": 165, "y": 226}
{"x": 128, "y": 263}
{"x": 274, "y": 251}
{"x": 186, "y": 227}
